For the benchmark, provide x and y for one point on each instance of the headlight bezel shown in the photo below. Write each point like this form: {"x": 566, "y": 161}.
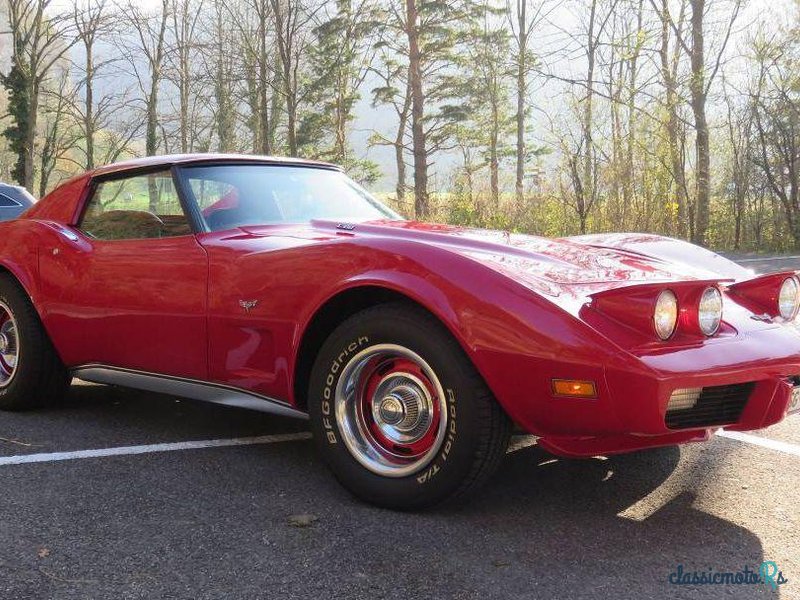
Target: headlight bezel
{"x": 796, "y": 303}
{"x": 711, "y": 295}
{"x": 666, "y": 305}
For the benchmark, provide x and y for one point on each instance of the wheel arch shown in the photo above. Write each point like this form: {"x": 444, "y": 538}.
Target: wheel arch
{"x": 342, "y": 305}
{"x": 23, "y": 280}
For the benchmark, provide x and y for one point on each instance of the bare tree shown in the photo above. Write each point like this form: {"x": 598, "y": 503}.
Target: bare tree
{"x": 39, "y": 41}
{"x": 583, "y": 167}
{"x": 777, "y": 124}
{"x": 523, "y": 18}
{"x": 92, "y": 109}
{"x": 669, "y": 59}
{"x": 292, "y": 19}
{"x": 395, "y": 91}
{"x": 253, "y": 24}
{"x": 149, "y": 44}
{"x": 702, "y": 77}
{"x": 185, "y": 16}
{"x": 60, "y": 132}
{"x": 740, "y": 136}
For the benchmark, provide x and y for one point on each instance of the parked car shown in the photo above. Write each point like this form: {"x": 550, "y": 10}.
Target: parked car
{"x": 14, "y": 200}
{"x": 281, "y": 285}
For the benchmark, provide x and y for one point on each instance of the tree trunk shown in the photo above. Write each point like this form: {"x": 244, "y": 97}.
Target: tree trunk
{"x": 181, "y": 21}
{"x": 264, "y": 136}
{"x": 156, "y": 60}
{"x": 630, "y": 167}
{"x": 274, "y": 114}
{"x": 30, "y": 137}
{"x": 88, "y": 119}
{"x": 291, "y": 123}
{"x": 151, "y": 135}
{"x": 399, "y": 147}
{"x": 698, "y": 94}
{"x": 702, "y": 196}
{"x": 421, "y": 201}
{"x": 522, "y": 85}
{"x": 673, "y": 122}
{"x": 587, "y": 185}
{"x": 340, "y": 142}
{"x": 494, "y": 161}
{"x": 184, "y": 100}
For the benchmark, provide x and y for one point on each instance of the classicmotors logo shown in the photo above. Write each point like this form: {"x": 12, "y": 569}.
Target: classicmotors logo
{"x": 767, "y": 573}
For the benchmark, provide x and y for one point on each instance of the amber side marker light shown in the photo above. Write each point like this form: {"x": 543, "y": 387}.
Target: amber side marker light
{"x": 574, "y": 388}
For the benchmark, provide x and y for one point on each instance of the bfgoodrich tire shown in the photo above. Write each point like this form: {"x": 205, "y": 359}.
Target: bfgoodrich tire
{"x": 400, "y": 414}
{"x": 31, "y": 373}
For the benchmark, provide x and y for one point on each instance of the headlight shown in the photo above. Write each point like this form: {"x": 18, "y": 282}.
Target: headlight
{"x": 666, "y": 314}
{"x": 789, "y": 299}
{"x": 709, "y": 313}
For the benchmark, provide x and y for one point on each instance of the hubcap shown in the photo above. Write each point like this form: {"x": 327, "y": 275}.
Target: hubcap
{"x": 9, "y": 345}
{"x": 391, "y": 410}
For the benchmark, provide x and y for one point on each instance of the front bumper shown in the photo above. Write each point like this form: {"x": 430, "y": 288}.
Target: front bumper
{"x": 633, "y": 412}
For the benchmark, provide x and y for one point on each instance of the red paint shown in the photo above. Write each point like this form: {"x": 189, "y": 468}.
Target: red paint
{"x": 526, "y": 310}
{"x": 634, "y": 308}
{"x": 760, "y": 294}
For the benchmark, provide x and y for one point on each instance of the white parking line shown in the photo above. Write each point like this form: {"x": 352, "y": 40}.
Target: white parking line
{"x": 785, "y": 447}
{"x": 517, "y": 443}
{"x": 148, "y": 449}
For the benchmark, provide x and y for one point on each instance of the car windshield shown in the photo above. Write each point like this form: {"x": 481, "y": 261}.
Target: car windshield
{"x": 234, "y": 195}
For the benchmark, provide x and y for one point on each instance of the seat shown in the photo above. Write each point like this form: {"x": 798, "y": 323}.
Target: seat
{"x": 124, "y": 225}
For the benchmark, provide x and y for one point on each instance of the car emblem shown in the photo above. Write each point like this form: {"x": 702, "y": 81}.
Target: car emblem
{"x": 248, "y": 305}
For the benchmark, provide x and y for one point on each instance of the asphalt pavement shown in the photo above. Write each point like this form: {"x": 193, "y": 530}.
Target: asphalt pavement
{"x": 123, "y": 494}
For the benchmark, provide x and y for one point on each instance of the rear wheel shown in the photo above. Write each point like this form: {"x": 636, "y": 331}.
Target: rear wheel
{"x": 400, "y": 414}
{"x": 31, "y": 373}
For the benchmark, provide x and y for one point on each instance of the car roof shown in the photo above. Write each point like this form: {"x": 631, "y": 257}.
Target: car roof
{"x": 190, "y": 159}
{"x": 18, "y": 194}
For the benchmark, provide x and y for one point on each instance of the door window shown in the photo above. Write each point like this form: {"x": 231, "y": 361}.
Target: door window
{"x": 138, "y": 207}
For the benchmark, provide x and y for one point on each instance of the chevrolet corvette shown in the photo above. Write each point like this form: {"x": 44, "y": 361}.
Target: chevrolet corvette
{"x": 413, "y": 349}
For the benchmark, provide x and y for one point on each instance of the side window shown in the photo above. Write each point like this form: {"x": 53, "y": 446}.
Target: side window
{"x": 138, "y": 207}
{"x": 6, "y": 202}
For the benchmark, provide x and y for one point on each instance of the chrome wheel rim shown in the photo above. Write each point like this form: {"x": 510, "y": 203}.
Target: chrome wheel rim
{"x": 9, "y": 345}
{"x": 391, "y": 410}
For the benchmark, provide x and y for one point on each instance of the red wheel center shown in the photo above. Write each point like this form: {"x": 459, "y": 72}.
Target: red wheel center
{"x": 398, "y": 407}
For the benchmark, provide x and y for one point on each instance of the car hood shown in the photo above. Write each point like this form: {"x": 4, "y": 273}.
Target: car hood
{"x": 564, "y": 268}
{"x": 546, "y": 263}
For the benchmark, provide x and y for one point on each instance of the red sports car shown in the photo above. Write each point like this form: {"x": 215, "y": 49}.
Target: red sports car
{"x": 281, "y": 285}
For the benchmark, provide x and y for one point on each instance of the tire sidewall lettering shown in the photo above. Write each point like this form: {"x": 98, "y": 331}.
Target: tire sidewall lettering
{"x": 447, "y": 445}
{"x": 331, "y": 379}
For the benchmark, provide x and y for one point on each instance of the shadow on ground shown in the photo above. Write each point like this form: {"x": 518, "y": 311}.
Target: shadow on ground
{"x": 215, "y": 523}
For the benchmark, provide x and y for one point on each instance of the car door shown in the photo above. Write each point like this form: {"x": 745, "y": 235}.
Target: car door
{"x": 130, "y": 289}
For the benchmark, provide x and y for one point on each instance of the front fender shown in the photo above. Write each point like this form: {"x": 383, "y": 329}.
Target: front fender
{"x": 517, "y": 340}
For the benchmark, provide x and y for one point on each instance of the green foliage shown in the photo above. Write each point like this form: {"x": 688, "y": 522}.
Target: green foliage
{"x": 340, "y": 57}
{"x": 469, "y": 64}
{"x": 17, "y": 85}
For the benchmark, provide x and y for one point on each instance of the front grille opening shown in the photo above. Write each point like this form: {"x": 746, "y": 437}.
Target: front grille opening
{"x": 707, "y": 407}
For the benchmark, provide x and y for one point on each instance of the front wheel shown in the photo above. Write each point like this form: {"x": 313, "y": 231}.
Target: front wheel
{"x": 399, "y": 413}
